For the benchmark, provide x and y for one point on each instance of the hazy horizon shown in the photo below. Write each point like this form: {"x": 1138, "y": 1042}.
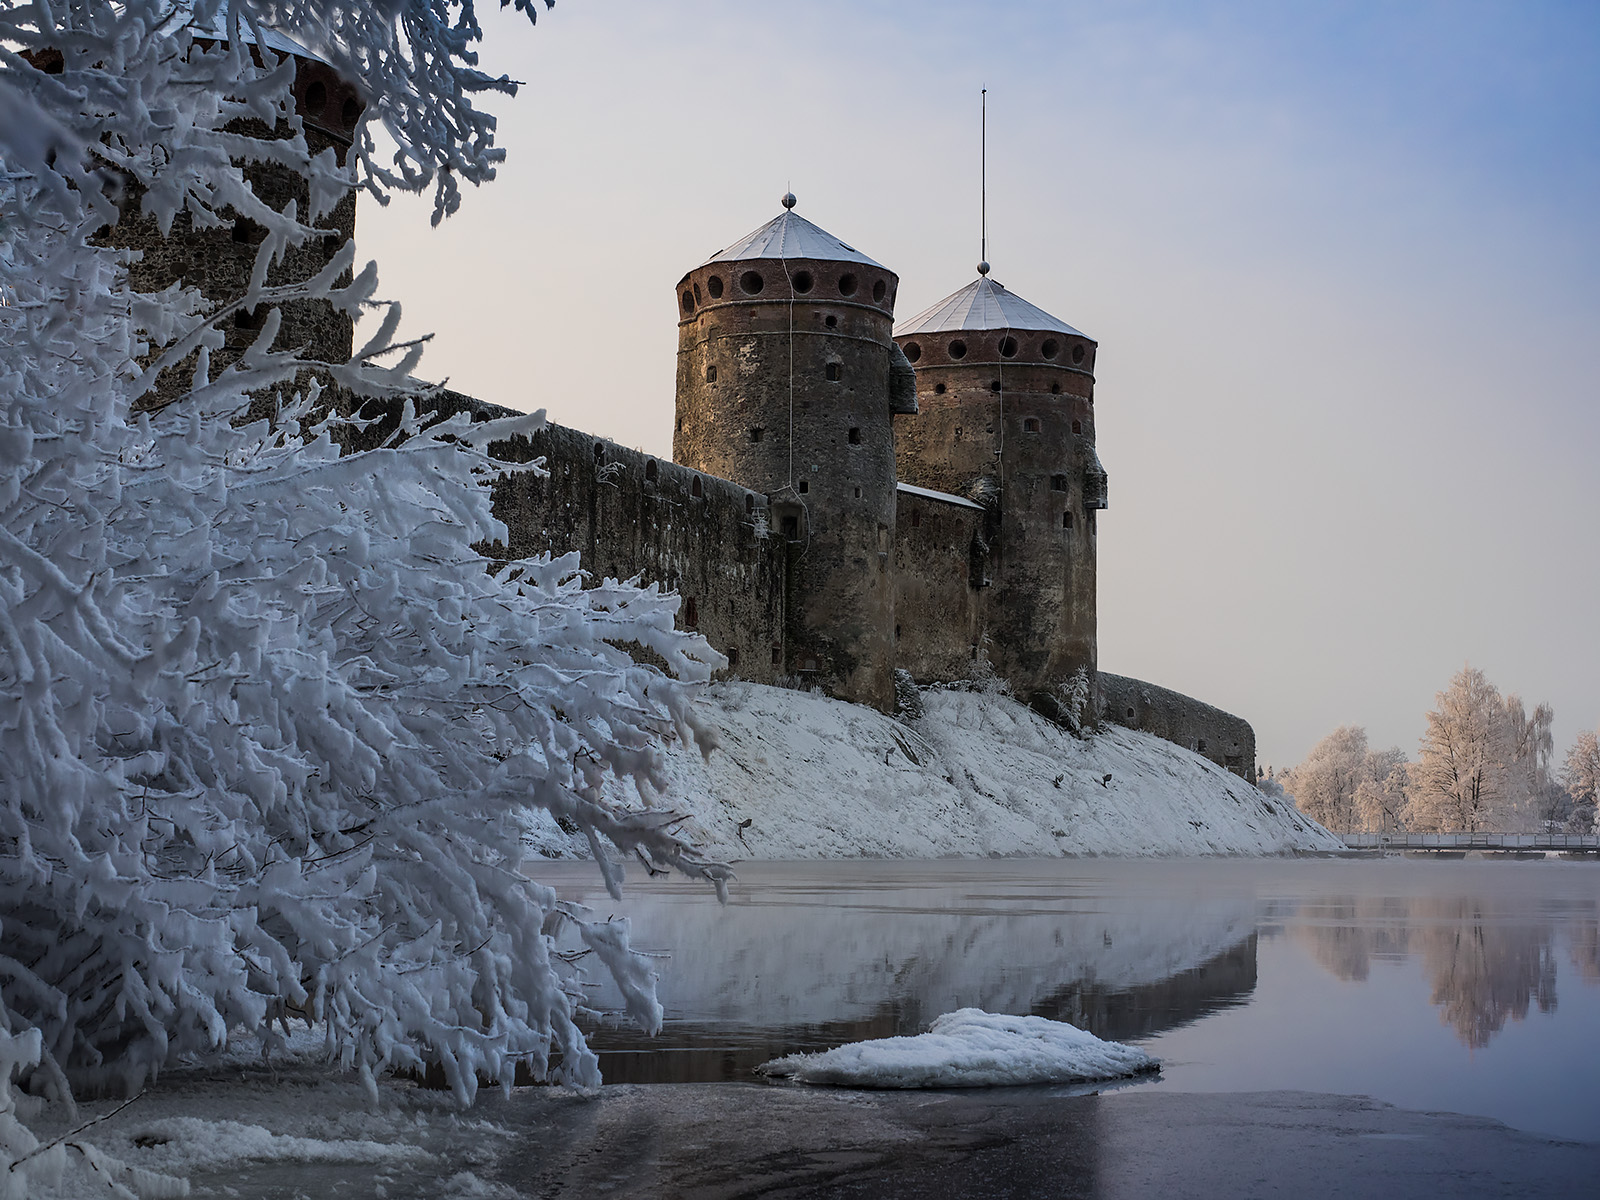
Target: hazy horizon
{"x": 1341, "y": 264}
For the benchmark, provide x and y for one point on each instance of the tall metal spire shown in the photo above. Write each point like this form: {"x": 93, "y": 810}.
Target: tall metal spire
{"x": 983, "y": 184}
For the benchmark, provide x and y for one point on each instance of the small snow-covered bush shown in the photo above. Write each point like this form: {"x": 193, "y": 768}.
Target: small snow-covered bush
{"x": 269, "y": 728}
{"x": 907, "y": 696}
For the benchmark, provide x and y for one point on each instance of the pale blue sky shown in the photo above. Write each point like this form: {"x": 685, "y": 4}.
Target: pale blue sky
{"x": 1342, "y": 259}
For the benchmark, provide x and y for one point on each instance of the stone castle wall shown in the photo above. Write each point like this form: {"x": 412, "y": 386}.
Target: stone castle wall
{"x": 1225, "y": 739}
{"x": 939, "y": 566}
{"x": 629, "y": 514}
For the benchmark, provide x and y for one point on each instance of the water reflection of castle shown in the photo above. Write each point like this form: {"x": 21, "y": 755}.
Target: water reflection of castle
{"x": 1484, "y": 964}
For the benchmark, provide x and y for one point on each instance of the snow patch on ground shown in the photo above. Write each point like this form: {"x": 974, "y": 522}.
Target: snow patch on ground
{"x": 797, "y": 775}
{"x": 970, "y": 1048}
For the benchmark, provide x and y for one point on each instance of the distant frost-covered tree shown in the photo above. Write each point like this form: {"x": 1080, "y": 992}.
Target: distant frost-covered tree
{"x": 1328, "y": 784}
{"x": 1581, "y": 774}
{"x": 1463, "y": 780}
{"x": 269, "y": 728}
{"x": 1380, "y": 802}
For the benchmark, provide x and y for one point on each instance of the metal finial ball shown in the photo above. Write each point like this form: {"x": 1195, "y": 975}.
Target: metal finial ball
{"x": 788, "y": 200}
{"x": 983, "y": 268}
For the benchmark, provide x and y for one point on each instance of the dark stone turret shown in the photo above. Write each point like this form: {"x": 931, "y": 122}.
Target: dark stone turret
{"x": 1006, "y": 397}
{"x": 785, "y": 386}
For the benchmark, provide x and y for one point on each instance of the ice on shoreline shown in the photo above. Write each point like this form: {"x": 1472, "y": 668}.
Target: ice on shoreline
{"x": 970, "y": 1048}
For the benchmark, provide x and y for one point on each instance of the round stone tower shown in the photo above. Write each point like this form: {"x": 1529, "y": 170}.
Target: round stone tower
{"x": 1006, "y": 398}
{"x": 785, "y": 387}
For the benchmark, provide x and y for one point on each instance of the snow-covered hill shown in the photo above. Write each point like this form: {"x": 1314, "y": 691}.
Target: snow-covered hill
{"x": 978, "y": 774}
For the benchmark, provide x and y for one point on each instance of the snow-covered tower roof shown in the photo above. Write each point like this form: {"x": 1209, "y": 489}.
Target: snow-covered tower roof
{"x": 789, "y": 235}
{"x": 984, "y": 304}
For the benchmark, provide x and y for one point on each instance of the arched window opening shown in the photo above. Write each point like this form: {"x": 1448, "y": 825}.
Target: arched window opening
{"x": 711, "y": 373}
{"x": 697, "y": 489}
{"x": 750, "y": 504}
{"x": 599, "y": 451}
{"x": 733, "y": 657}
{"x": 1055, "y": 389}
{"x": 651, "y": 471}
{"x": 1077, "y": 427}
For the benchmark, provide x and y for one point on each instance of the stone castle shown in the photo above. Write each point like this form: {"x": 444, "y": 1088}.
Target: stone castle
{"x": 848, "y": 498}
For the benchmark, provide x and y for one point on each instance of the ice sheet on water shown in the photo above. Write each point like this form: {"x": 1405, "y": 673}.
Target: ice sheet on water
{"x": 970, "y": 1048}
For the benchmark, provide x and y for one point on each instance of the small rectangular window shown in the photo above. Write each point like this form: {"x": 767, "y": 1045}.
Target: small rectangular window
{"x": 1030, "y": 425}
{"x": 691, "y": 613}
{"x": 1066, "y": 520}
{"x": 711, "y": 374}
{"x": 756, "y": 433}
{"x": 805, "y": 486}
{"x": 833, "y": 372}
{"x": 777, "y": 656}
{"x": 1058, "y": 483}
{"x": 855, "y": 436}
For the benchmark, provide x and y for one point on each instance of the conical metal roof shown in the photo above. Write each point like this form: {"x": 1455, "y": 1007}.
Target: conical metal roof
{"x": 790, "y": 236}
{"x": 983, "y": 304}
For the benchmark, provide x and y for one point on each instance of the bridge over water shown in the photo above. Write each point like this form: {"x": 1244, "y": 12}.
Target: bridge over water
{"x": 1574, "y": 842}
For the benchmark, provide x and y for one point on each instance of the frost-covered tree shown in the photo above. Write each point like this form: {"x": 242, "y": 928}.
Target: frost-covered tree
{"x": 1380, "y": 802}
{"x": 1581, "y": 774}
{"x": 270, "y": 728}
{"x": 1326, "y": 785}
{"x": 1532, "y": 797}
{"x": 1463, "y": 780}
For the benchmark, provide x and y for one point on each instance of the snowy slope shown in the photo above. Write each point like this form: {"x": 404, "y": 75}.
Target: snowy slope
{"x": 978, "y": 774}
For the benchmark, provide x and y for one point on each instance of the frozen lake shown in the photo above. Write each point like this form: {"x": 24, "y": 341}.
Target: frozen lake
{"x": 1459, "y": 986}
